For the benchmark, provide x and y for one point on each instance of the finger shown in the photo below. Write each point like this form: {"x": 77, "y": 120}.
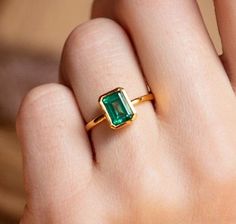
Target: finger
{"x": 226, "y": 16}
{"x": 185, "y": 74}
{"x": 175, "y": 51}
{"x": 98, "y": 57}
{"x": 56, "y": 150}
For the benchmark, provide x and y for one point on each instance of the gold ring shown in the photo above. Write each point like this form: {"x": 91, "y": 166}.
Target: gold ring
{"x": 118, "y": 109}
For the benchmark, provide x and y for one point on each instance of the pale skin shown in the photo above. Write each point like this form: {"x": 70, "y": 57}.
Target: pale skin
{"x": 177, "y": 162}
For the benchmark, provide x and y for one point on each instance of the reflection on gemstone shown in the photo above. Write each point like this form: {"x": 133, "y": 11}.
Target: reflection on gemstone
{"x": 118, "y": 109}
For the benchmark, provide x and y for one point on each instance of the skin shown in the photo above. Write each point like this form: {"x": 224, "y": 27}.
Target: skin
{"x": 177, "y": 162}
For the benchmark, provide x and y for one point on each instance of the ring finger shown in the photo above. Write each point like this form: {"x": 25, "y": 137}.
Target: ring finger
{"x": 97, "y": 58}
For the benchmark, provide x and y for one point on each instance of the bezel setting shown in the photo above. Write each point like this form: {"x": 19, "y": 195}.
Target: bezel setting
{"x": 118, "y": 108}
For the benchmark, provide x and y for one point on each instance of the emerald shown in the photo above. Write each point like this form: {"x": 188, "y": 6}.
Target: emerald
{"x": 118, "y": 107}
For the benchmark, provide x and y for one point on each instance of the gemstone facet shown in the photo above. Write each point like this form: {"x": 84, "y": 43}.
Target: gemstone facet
{"x": 118, "y": 108}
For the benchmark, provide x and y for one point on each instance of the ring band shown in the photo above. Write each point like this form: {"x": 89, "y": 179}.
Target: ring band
{"x": 118, "y": 109}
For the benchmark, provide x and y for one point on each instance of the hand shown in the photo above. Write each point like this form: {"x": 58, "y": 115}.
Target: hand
{"x": 177, "y": 162}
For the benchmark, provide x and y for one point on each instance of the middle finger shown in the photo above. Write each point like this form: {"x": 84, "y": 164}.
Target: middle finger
{"x": 176, "y": 54}
{"x": 193, "y": 93}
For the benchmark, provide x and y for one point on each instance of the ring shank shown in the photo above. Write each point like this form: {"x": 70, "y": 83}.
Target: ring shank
{"x": 138, "y": 100}
{"x": 102, "y": 117}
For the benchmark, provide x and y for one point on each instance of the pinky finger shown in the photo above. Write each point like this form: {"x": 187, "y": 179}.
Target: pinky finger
{"x": 56, "y": 151}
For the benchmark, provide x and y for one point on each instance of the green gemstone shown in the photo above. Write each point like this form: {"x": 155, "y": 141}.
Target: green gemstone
{"x": 118, "y": 108}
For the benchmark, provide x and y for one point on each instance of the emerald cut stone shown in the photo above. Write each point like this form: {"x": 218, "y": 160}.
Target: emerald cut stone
{"x": 118, "y": 107}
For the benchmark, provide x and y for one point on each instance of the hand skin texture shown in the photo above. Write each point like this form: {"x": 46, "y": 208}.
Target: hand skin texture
{"x": 176, "y": 164}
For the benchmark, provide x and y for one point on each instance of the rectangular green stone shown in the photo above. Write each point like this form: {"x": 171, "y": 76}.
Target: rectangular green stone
{"x": 118, "y": 108}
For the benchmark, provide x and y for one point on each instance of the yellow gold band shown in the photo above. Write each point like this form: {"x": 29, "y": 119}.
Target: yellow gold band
{"x": 91, "y": 124}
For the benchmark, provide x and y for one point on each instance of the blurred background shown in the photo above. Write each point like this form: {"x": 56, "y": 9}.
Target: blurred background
{"x": 32, "y": 34}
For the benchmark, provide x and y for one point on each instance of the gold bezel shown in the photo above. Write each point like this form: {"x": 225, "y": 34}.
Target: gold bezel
{"x": 119, "y": 89}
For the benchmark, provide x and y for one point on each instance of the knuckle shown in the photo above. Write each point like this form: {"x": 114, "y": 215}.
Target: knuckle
{"x": 92, "y": 40}
{"x": 40, "y": 99}
{"x": 89, "y": 35}
{"x": 132, "y": 5}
